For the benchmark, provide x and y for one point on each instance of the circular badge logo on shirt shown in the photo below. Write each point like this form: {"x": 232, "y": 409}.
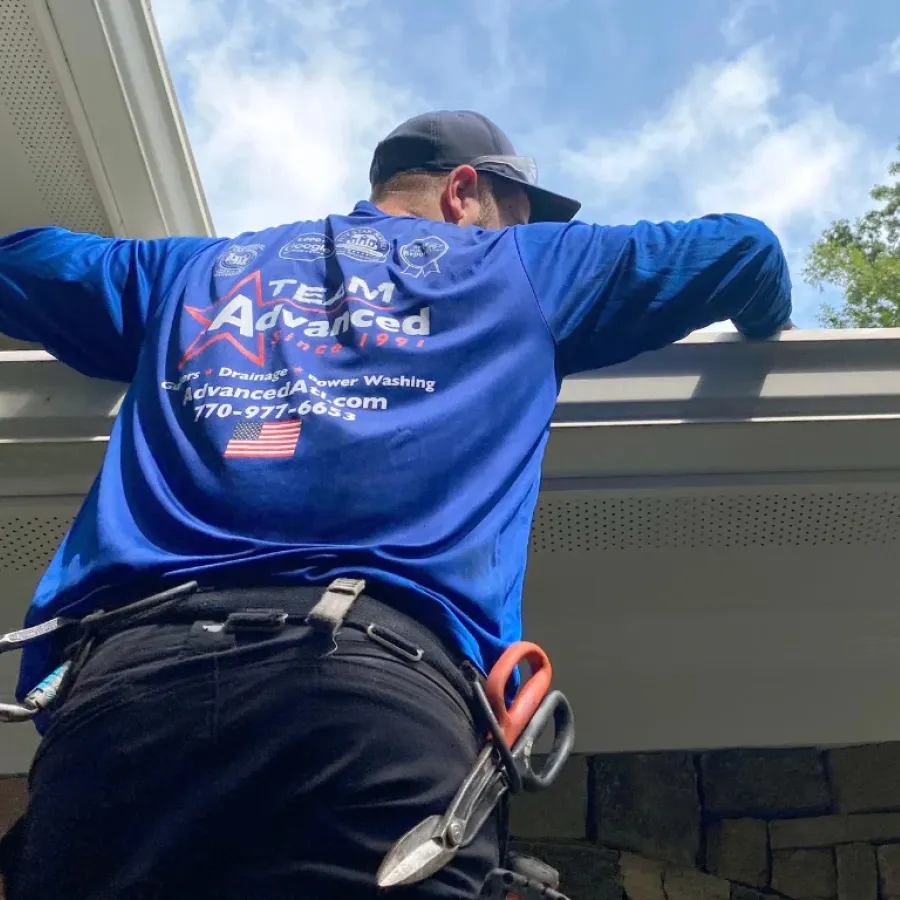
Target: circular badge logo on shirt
{"x": 236, "y": 258}
{"x": 308, "y": 247}
{"x": 421, "y": 256}
{"x": 362, "y": 244}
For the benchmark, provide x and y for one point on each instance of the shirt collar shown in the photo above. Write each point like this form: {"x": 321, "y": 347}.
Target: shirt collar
{"x": 366, "y": 208}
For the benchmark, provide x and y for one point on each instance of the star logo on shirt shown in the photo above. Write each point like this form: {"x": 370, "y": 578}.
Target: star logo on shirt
{"x": 220, "y": 322}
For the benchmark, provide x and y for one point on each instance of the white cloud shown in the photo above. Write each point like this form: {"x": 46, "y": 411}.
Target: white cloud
{"x": 279, "y": 137}
{"x": 837, "y": 25}
{"x": 720, "y": 145}
{"x": 735, "y": 27}
{"x": 885, "y": 65}
{"x": 793, "y": 175}
{"x": 180, "y": 21}
{"x": 732, "y": 140}
{"x": 506, "y": 69}
{"x": 719, "y": 102}
{"x": 288, "y": 134}
{"x": 893, "y": 55}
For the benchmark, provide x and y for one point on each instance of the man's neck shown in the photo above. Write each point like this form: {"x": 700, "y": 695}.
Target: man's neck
{"x": 409, "y": 206}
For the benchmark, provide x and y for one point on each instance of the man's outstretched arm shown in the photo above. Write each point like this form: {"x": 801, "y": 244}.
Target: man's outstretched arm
{"x": 610, "y": 293}
{"x": 87, "y": 299}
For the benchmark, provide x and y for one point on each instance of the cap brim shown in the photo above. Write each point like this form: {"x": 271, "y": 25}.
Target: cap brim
{"x": 545, "y": 205}
{"x": 549, "y": 207}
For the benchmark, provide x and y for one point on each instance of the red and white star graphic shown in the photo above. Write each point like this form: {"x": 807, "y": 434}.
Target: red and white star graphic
{"x": 253, "y": 348}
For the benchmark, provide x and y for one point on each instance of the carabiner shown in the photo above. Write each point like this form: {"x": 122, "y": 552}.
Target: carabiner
{"x": 44, "y": 694}
{"x": 37, "y": 699}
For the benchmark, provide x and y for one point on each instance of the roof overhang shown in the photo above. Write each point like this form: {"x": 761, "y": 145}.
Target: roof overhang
{"x": 713, "y": 556}
{"x": 90, "y": 134}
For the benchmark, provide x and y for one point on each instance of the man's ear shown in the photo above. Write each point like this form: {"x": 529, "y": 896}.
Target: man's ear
{"x": 459, "y": 199}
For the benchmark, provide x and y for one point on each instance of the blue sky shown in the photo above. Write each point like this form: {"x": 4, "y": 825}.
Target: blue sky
{"x": 643, "y": 109}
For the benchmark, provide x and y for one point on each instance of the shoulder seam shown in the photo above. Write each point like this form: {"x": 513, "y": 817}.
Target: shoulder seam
{"x": 534, "y": 295}
{"x": 165, "y": 299}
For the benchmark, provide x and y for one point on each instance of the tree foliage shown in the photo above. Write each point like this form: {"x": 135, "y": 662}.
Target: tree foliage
{"x": 863, "y": 260}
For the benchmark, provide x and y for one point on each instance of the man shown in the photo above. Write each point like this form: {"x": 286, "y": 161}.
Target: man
{"x": 367, "y": 396}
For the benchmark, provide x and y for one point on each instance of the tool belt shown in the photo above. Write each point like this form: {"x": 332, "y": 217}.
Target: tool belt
{"x": 78, "y": 637}
{"x": 344, "y": 606}
{"x": 341, "y": 605}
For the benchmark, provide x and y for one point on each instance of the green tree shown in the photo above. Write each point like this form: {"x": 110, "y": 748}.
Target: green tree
{"x": 863, "y": 259}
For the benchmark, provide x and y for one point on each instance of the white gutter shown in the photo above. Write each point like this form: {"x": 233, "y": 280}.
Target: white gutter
{"x": 682, "y": 413}
{"x": 723, "y": 378}
{"x": 716, "y": 406}
{"x": 710, "y": 409}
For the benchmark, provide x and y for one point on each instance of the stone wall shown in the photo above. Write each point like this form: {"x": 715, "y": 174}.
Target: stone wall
{"x": 805, "y": 824}
{"x": 727, "y": 825}
{"x": 13, "y": 796}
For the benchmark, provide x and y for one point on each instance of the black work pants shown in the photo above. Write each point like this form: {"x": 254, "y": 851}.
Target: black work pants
{"x": 191, "y": 764}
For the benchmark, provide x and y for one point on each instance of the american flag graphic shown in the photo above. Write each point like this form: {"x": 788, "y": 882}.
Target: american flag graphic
{"x": 263, "y": 440}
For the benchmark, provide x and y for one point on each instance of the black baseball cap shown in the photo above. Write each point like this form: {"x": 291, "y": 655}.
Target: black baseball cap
{"x": 440, "y": 141}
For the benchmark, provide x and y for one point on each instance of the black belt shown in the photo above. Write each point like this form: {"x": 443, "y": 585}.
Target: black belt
{"x": 270, "y": 608}
{"x": 342, "y": 604}
{"x": 380, "y": 621}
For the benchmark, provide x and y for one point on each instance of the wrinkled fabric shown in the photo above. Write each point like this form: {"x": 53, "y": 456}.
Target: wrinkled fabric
{"x": 213, "y": 766}
{"x": 365, "y": 394}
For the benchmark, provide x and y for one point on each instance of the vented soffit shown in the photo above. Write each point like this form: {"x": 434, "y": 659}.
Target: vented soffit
{"x": 91, "y": 137}
{"x": 608, "y": 523}
{"x": 44, "y": 163}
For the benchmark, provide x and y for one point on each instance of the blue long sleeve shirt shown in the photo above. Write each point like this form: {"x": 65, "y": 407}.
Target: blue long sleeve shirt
{"x": 365, "y": 394}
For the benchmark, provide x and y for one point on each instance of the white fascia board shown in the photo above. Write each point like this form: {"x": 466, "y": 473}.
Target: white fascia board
{"x": 809, "y": 402}
{"x": 724, "y": 378}
{"x": 110, "y": 65}
{"x": 718, "y": 407}
{"x": 40, "y": 399}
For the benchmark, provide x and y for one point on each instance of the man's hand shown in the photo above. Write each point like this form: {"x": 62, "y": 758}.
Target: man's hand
{"x": 789, "y": 327}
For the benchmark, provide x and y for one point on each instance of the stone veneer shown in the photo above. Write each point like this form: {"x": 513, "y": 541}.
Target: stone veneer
{"x": 805, "y": 824}
{"x": 13, "y": 797}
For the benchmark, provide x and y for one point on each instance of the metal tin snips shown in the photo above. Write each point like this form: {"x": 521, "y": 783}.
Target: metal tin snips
{"x": 504, "y": 765}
